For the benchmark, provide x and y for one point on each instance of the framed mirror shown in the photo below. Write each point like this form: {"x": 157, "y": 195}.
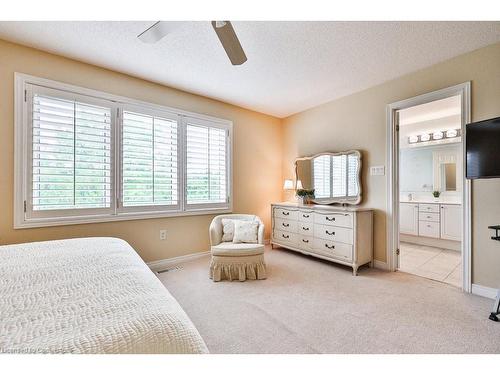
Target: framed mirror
{"x": 334, "y": 176}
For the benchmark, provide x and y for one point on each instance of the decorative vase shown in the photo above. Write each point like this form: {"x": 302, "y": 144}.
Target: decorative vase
{"x": 300, "y": 200}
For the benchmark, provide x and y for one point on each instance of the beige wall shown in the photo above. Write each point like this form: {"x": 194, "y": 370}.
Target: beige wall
{"x": 256, "y": 160}
{"x": 264, "y": 149}
{"x": 358, "y": 121}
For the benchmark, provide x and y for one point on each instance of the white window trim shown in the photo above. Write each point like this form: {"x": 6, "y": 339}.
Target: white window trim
{"x": 21, "y": 159}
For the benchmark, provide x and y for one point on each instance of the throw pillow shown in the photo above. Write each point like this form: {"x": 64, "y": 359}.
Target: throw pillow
{"x": 245, "y": 231}
{"x": 227, "y": 230}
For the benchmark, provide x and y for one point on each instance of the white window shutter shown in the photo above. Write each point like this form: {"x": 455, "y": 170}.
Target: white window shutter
{"x": 149, "y": 160}
{"x": 71, "y": 154}
{"x": 206, "y": 164}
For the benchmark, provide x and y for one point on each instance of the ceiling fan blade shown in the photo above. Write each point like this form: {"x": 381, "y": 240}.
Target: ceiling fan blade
{"x": 155, "y": 32}
{"x": 230, "y": 42}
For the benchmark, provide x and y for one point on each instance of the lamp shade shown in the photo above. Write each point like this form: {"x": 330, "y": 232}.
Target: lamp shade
{"x": 288, "y": 185}
{"x": 299, "y": 185}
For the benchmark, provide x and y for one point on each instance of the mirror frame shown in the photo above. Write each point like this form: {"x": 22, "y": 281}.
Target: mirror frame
{"x": 344, "y": 201}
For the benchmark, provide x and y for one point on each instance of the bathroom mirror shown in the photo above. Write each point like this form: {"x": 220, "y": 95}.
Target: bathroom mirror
{"x": 334, "y": 176}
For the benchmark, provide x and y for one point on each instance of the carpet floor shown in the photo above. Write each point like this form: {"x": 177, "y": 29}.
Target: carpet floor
{"x": 308, "y": 305}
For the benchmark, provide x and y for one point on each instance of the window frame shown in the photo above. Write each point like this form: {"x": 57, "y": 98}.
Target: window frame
{"x": 23, "y": 158}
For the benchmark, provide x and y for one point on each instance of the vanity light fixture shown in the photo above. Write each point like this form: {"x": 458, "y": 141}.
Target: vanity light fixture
{"x": 413, "y": 139}
{"x": 425, "y": 137}
{"x": 437, "y": 135}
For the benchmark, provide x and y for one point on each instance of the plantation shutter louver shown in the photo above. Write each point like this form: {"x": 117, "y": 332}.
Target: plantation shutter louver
{"x": 71, "y": 154}
{"x": 339, "y": 171}
{"x": 321, "y": 172}
{"x": 352, "y": 173}
{"x": 149, "y": 160}
{"x": 206, "y": 164}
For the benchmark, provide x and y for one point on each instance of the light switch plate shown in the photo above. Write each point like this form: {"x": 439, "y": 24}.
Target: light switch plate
{"x": 378, "y": 170}
{"x": 163, "y": 234}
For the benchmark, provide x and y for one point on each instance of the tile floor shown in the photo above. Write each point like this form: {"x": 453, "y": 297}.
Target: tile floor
{"x": 431, "y": 262}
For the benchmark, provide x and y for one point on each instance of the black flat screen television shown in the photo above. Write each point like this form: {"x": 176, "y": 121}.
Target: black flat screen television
{"x": 482, "y": 147}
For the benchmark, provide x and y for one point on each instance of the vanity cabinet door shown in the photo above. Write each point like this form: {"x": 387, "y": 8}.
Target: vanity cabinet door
{"x": 451, "y": 222}
{"x": 408, "y": 218}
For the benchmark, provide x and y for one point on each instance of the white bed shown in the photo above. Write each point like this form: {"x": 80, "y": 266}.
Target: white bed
{"x": 91, "y": 295}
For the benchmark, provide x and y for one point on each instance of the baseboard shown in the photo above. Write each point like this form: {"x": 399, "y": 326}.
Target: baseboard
{"x": 267, "y": 241}
{"x": 484, "y": 291}
{"x": 380, "y": 265}
{"x": 158, "y": 265}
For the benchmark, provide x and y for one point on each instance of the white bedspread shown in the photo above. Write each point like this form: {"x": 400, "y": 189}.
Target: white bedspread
{"x": 92, "y": 295}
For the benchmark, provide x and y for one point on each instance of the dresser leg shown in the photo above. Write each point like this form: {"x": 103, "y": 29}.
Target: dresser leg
{"x": 355, "y": 270}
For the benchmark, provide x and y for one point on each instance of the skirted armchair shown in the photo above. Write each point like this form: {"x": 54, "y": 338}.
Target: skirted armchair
{"x": 236, "y": 261}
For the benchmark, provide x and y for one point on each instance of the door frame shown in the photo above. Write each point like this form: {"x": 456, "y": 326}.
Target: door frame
{"x": 464, "y": 90}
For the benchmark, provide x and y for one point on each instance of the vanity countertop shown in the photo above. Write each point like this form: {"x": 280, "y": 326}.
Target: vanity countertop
{"x": 324, "y": 207}
{"x": 429, "y": 201}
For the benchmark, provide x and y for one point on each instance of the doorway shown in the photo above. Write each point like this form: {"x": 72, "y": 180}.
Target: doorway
{"x": 428, "y": 195}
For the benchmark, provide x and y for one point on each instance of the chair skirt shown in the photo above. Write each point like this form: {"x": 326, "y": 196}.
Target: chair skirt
{"x": 251, "y": 267}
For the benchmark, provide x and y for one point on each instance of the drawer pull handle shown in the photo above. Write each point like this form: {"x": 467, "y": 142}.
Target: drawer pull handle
{"x": 286, "y": 225}
{"x": 330, "y": 218}
{"x": 305, "y": 216}
{"x": 305, "y": 241}
{"x": 285, "y": 236}
{"x": 304, "y": 228}
{"x": 329, "y": 247}
{"x": 330, "y": 233}
{"x": 285, "y": 213}
{"x": 428, "y": 226}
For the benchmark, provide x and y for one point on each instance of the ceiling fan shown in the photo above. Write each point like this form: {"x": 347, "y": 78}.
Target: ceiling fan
{"x": 223, "y": 29}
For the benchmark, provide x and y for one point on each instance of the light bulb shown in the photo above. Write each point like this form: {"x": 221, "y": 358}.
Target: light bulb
{"x": 425, "y": 137}
{"x": 413, "y": 139}
{"x": 437, "y": 135}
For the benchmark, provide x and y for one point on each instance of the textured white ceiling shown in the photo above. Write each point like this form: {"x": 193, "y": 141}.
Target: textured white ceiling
{"x": 291, "y": 66}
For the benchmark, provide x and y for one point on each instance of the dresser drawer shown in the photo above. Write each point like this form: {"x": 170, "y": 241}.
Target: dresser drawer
{"x": 337, "y": 234}
{"x": 335, "y": 249}
{"x": 285, "y": 225}
{"x": 338, "y": 219}
{"x": 305, "y": 229}
{"x": 283, "y": 213}
{"x": 428, "y": 207}
{"x": 305, "y": 242}
{"x": 285, "y": 237}
{"x": 428, "y": 216}
{"x": 305, "y": 216}
{"x": 428, "y": 229}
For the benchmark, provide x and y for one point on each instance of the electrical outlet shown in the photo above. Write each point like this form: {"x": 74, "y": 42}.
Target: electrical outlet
{"x": 378, "y": 170}
{"x": 163, "y": 234}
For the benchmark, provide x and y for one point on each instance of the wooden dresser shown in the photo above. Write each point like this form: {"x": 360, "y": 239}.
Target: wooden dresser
{"x": 341, "y": 235}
